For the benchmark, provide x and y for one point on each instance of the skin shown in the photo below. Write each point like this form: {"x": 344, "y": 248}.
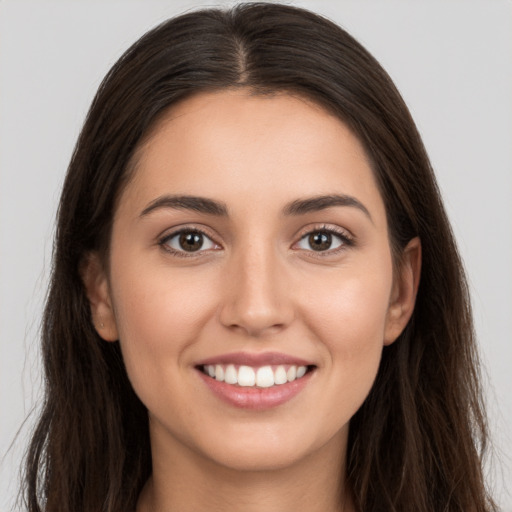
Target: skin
{"x": 258, "y": 286}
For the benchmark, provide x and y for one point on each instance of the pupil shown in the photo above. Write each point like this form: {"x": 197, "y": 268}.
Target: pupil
{"x": 320, "y": 241}
{"x": 191, "y": 241}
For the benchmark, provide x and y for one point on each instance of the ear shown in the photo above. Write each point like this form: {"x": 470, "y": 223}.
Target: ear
{"x": 97, "y": 289}
{"x": 405, "y": 289}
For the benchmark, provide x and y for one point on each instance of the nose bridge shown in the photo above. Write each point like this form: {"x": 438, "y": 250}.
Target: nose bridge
{"x": 256, "y": 294}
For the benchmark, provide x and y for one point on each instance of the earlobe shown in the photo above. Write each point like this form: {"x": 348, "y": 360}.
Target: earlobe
{"x": 97, "y": 289}
{"x": 405, "y": 289}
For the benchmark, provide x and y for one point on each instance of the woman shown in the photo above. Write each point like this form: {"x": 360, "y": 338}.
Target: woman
{"x": 257, "y": 301}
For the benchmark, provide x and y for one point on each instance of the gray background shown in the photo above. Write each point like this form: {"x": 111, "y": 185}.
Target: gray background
{"x": 452, "y": 61}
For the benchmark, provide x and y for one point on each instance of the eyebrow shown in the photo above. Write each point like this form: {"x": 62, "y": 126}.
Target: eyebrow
{"x": 183, "y": 202}
{"x": 317, "y": 203}
{"x": 217, "y": 208}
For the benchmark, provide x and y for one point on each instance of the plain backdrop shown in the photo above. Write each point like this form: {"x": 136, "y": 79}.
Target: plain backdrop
{"x": 452, "y": 61}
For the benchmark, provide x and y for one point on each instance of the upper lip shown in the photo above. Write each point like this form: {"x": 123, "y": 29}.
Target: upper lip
{"x": 255, "y": 360}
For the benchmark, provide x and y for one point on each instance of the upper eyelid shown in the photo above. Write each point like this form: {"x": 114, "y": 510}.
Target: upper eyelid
{"x": 171, "y": 232}
{"x": 347, "y": 238}
{"x": 163, "y": 239}
{"x": 300, "y": 234}
{"x": 330, "y": 228}
{"x": 162, "y": 242}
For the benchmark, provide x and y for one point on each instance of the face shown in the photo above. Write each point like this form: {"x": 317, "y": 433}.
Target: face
{"x": 250, "y": 280}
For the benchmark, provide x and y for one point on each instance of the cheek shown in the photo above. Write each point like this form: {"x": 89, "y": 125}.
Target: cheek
{"x": 348, "y": 318}
{"x": 346, "y": 315}
{"x": 159, "y": 313}
{"x": 350, "y": 306}
{"x": 161, "y": 300}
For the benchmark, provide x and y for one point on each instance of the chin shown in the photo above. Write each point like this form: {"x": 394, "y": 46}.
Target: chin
{"x": 258, "y": 459}
{"x": 267, "y": 450}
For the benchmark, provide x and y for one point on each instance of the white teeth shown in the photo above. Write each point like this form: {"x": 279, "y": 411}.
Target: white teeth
{"x": 219, "y": 372}
{"x": 301, "y": 371}
{"x": 230, "y": 375}
{"x": 263, "y": 377}
{"x": 280, "y": 376}
{"x": 246, "y": 376}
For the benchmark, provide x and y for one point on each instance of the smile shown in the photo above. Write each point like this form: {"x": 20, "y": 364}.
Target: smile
{"x": 255, "y": 381}
{"x": 248, "y": 376}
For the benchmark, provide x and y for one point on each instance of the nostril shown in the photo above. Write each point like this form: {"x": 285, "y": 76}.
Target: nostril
{"x": 256, "y": 310}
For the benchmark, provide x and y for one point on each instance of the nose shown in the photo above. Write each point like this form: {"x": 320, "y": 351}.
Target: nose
{"x": 256, "y": 299}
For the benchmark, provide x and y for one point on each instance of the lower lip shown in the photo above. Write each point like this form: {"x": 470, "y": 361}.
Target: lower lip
{"x": 253, "y": 397}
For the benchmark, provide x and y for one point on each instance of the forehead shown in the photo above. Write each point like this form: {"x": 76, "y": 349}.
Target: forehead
{"x": 233, "y": 145}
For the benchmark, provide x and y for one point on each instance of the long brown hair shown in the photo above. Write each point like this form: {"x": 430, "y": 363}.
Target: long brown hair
{"x": 416, "y": 444}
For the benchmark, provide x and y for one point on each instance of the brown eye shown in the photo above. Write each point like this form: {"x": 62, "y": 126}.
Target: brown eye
{"x": 188, "y": 241}
{"x": 320, "y": 241}
{"x": 191, "y": 241}
{"x": 323, "y": 240}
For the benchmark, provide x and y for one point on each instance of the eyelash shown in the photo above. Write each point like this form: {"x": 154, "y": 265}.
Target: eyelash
{"x": 346, "y": 238}
{"x": 347, "y": 241}
{"x": 164, "y": 241}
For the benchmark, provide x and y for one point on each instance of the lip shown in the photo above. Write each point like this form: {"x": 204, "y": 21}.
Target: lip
{"x": 255, "y": 359}
{"x": 254, "y": 398}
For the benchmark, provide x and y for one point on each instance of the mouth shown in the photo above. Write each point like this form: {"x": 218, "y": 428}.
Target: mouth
{"x": 246, "y": 376}
{"x": 253, "y": 381}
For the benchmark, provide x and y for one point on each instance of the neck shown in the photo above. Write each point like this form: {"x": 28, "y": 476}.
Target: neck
{"x": 185, "y": 481}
